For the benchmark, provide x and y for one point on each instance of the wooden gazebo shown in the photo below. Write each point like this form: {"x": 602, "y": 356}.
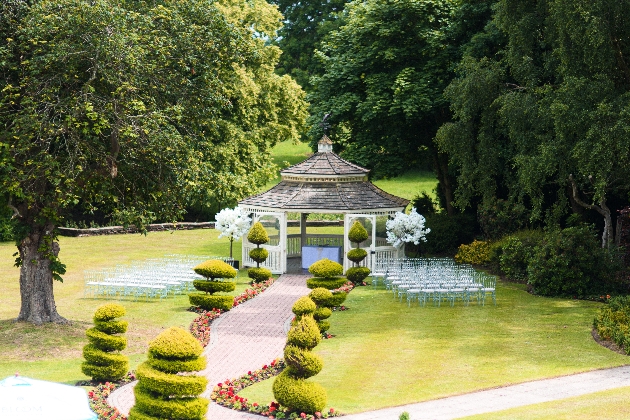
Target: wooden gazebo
{"x": 323, "y": 183}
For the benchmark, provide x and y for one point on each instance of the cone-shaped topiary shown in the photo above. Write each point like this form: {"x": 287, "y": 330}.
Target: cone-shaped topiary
{"x": 163, "y": 394}
{"x": 258, "y": 235}
{"x": 102, "y": 360}
{"x": 213, "y": 270}
{"x": 290, "y": 388}
{"x": 357, "y": 234}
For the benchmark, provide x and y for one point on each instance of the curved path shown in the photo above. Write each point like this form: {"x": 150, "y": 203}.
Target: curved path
{"x": 254, "y": 333}
{"x": 245, "y": 338}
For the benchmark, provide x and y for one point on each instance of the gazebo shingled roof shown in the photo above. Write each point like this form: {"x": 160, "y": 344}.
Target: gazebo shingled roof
{"x": 325, "y": 182}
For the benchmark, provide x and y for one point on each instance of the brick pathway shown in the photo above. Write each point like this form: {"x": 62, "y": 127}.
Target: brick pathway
{"x": 246, "y": 338}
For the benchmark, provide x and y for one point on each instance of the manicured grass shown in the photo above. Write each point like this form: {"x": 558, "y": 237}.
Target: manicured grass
{"x": 53, "y": 352}
{"x": 385, "y": 354}
{"x": 409, "y": 185}
{"x": 612, "y": 404}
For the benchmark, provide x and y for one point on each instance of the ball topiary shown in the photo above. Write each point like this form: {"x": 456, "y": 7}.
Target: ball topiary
{"x": 321, "y": 297}
{"x": 299, "y": 395}
{"x": 257, "y": 234}
{"x": 259, "y": 254}
{"x": 357, "y": 274}
{"x": 303, "y": 306}
{"x": 160, "y": 392}
{"x": 356, "y": 255}
{"x": 337, "y": 299}
{"x": 330, "y": 283}
{"x": 357, "y": 233}
{"x": 326, "y": 268}
{"x": 215, "y": 269}
{"x": 258, "y": 274}
{"x": 302, "y": 363}
{"x": 102, "y": 360}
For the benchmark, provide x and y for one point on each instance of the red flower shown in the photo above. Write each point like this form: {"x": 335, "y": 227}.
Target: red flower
{"x": 303, "y": 415}
{"x": 272, "y": 409}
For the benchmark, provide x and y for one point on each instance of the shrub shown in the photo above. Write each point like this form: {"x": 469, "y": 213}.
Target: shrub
{"x": 448, "y": 232}
{"x": 476, "y": 253}
{"x": 424, "y": 204}
{"x": 337, "y": 299}
{"x": 321, "y": 297}
{"x": 257, "y": 234}
{"x": 356, "y": 255}
{"x": 210, "y": 302}
{"x": 259, "y": 254}
{"x": 357, "y": 233}
{"x": 258, "y": 274}
{"x": 303, "y": 306}
{"x": 160, "y": 393}
{"x": 333, "y": 283}
{"x": 512, "y": 254}
{"x": 214, "y": 286}
{"x": 357, "y": 274}
{"x": 299, "y": 395}
{"x": 570, "y": 262}
{"x": 215, "y": 269}
{"x": 613, "y": 322}
{"x": 326, "y": 268}
{"x": 211, "y": 270}
{"x": 101, "y": 363}
{"x": 290, "y": 388}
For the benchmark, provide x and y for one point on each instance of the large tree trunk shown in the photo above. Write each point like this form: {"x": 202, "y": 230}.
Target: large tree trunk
{"x": 36, "y": 281}
{"x": 608, "y": 237}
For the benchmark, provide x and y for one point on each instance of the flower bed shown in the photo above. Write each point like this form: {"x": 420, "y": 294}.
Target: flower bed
{"x": 98, "y": 398}
{"x": 225, "y": 394}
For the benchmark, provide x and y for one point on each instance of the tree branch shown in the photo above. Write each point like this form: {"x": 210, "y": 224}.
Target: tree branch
{"x": 577, "y": 199}
{"x": 16, "y": 212}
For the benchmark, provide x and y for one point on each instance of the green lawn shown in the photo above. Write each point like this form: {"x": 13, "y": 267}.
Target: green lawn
{"x": 385, "y": 354}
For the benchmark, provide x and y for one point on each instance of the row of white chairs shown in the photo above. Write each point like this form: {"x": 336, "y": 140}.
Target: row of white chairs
{"x": 435, "y": 280}
{"x": 152, "y": 278}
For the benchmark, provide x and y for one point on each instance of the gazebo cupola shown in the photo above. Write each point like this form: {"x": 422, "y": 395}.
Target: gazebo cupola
{"x": 323, "y": 183}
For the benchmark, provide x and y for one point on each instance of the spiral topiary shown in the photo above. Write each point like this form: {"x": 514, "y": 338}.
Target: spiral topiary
{"x": 357, "y": 234}
{"x": 161, "y": 393}
{"x": 323, "y": 299}
{"x": 258, "y": 235}
{"x": 102, "y": 360}
{"x": 290, "y": 388}
{"x": 213, "y": 270}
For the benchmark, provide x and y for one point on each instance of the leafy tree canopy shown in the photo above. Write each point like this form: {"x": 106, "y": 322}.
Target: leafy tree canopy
{"x": 384, "y": 72}
{"x": 136, "y": 108}
{"x": 551, "y": 108}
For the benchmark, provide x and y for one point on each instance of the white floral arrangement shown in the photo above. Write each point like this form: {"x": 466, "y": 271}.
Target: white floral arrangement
{"x": 404, "y": 228}
{"x": 233, "y": 224}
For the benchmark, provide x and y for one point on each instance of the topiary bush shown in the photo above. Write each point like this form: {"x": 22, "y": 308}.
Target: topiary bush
{"x": 326, "y": 274}
{"x": 163, "y": 394}
{"x": 258, "y": 235}
{"x": 357, "y": 234}
{"x": 322, "y": 298}
{"x": 571, "y": 263}
{"x": 290, "y": 388}
{"x": 258, "y": 274}
{"x": 102, "y": 360}
{"x": 326, "y": 283}
{"x": 213, "y": 270}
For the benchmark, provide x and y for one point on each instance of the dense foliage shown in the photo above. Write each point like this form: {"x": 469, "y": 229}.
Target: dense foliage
{"x": 613, "y": 322}
{"x": 103, "y": 361}
{"x": 133, "y": 109}
{"x": 541, "y": 113}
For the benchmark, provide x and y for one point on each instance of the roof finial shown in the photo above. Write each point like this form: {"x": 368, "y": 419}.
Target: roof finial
{"x": 324, "y": 125}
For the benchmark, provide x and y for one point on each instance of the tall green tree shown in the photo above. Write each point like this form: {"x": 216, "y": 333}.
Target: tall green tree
{"x": 385, "y": 70}
{"x": 134, "y": 108}
{"x": 545, "y": 121}
{"x": 305, "y": 25}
